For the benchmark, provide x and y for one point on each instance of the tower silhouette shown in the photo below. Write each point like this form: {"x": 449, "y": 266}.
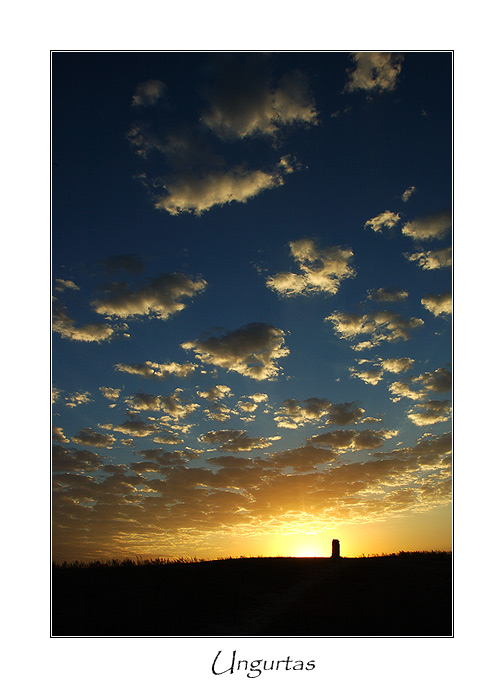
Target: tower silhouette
{"x": 335, "y": 549}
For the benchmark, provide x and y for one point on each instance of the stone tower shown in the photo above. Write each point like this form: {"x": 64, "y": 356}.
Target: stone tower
{"x": 335, "y": 549}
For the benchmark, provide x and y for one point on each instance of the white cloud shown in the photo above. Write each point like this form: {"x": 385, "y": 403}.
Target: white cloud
{"x": 440, "y": 304}
{"x": 252, "y": 350}
{"x": 374, "y": 71}
{"x": 321, "y": 270}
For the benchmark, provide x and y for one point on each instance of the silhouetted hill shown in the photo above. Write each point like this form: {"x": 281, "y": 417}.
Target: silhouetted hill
{"x": 409, "y": 594}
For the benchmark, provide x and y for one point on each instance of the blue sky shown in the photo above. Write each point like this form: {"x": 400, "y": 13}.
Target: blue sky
{"x": 251, "y": 261}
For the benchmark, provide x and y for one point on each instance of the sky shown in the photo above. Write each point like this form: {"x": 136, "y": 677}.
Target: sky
{"x": 252, "y": 276}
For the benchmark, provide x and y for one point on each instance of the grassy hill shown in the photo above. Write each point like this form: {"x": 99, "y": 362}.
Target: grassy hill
{"x": 408, "y": 594}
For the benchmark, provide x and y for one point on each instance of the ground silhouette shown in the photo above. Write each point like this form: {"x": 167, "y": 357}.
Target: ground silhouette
{"x": 408, "y": 594}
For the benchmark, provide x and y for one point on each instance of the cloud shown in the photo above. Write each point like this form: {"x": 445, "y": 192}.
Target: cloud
{"x": 387, "y": 294}
{"x": 183, "y": 147}
{"x": 344, "y": 414}
{"x": 124, "y": 507}
{"x": 136, "y": 428}
{"x": 110, "y": 393}
{"x": 190, "y": 192}
{"x": 65, "y": 459}
{"x": 251, "y": 350}
{"x": 259, "y": 397}
{"x": 321, "y": 270}
{"x": 408, "y": 194}
{"x": 167, "y": 438}
{"x": 62, "y": 284}
{"x": 432, "y": 260}
{"x": 352, "y": 440}
{"x": 247, "y": 406}
{"x": 434, "y": 226}
{"x": 229, "y": 461}
{"x": 163, "y": 458}
{"x": 430, "y": 412}
{"x": 371, "y": 376}
{"x": 203, "y": 164}
{"x": 385, "y": 220}
{"x": 249, "y": 104}
{"x": 66, "y": 326}
{"x": 59, "y": 436}
{"x": 149, "y": 92}
{"x": 172, "y": 405}
{"x": 78, "y": 398}
{"x": 374, "y": 71}
{"x": 302, "y": 459}
{"x": 402, "y": 390}
{"x": 374, "y": 375}
{"x": 160, "y": 371}
{"x": 439, "y": 381}
{"x": 215, "y": 393}
{"x": 219, "y": 412}
{"x": 440, "y": 304}
{"x": 161, "y": 298}
{"x": 91, "y": 438}
{"x": 236, "y": 440}
{"x": 292, "y": 414}
{"x": 382, "y": 326}
{"x": 397, "y": 365}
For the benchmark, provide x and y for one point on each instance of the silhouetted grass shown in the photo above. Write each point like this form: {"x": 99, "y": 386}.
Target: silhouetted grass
{"x": 403, "y": 594}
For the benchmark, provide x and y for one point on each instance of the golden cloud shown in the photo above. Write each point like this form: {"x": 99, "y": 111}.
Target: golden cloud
{"x": 374, "y": 71}
{"x": 160, "y": 299}
{"x": 252, "y": 350}
{"x": 321, "y": 270}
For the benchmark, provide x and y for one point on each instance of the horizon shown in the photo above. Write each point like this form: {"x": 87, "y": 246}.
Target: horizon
{"x": 155, "y": 560}
{"x": 252, "y": 338}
